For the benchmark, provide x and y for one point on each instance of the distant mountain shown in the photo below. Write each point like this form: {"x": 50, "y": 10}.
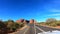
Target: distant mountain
{"x": 22, "y": 21}
{"x": 25, "y": 21}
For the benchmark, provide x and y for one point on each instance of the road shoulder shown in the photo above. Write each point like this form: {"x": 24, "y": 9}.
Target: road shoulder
{"x": 19, "y": 30}
{"x": 49, "y": 26}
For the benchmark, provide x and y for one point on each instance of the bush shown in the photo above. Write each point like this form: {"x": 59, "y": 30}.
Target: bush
{"x": 14, "y": 29}
{"x": 17, "y": 25}
{"x": 53, "y": 24}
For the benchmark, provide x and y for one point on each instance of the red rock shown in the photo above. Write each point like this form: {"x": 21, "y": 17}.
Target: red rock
{"x": 31, "y": 21}
{"x": 24, "y": 21}
{"x": 20, "y": 21}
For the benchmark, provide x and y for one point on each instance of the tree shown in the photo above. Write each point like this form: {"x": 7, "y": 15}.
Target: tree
{"x": 58, "y": 23}
{"x": 3, "y": 28}
{"x": 10, "y": 25}
{"x": 51, "y": 21}
{"x": 17, "y": 25}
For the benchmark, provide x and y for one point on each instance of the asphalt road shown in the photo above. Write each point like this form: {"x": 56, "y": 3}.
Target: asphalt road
{"x": 31, "y": 29}
{"x": 47, "y": 28}
{"x": 35, "y": 29}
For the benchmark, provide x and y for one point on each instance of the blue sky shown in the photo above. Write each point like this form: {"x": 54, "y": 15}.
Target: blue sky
{"x": 39, "y": 10}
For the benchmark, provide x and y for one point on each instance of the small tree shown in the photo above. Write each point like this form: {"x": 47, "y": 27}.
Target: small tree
{"x": 51, "y": 21}
{"x": 58, "y": 23}
{"x": 10, "y": 25}
{"x": 3, "y": 28}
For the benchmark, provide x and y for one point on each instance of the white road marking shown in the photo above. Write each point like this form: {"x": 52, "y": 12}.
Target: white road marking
{"x": 40, "y": 29}
{"x": 26, "y": 31}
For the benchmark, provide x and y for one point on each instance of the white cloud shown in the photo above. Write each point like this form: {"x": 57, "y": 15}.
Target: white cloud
{"x": 53, "y": 15}
{"x": 56, "y": 16}
{"x": 54, "y": 10}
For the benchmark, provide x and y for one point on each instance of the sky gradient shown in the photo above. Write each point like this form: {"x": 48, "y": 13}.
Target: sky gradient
{"x": 39, "y": 10}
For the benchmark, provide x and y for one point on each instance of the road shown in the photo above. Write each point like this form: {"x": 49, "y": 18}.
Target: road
{"x": 35, "y": 29}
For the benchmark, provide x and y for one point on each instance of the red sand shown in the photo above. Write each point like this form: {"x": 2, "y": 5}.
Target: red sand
{"x": 57, "y": 26}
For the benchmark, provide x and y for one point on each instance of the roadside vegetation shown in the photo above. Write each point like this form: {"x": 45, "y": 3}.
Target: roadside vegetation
{"x": 9, "y": 26}
{"x": 51, "y": 22}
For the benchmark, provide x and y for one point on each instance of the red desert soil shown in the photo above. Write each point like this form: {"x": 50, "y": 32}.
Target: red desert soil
{"x": 57, "y": 26}
{"x": 51, "y": 26}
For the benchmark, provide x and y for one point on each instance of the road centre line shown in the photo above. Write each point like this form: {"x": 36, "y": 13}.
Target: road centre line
{"x": 35, "y": 28}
